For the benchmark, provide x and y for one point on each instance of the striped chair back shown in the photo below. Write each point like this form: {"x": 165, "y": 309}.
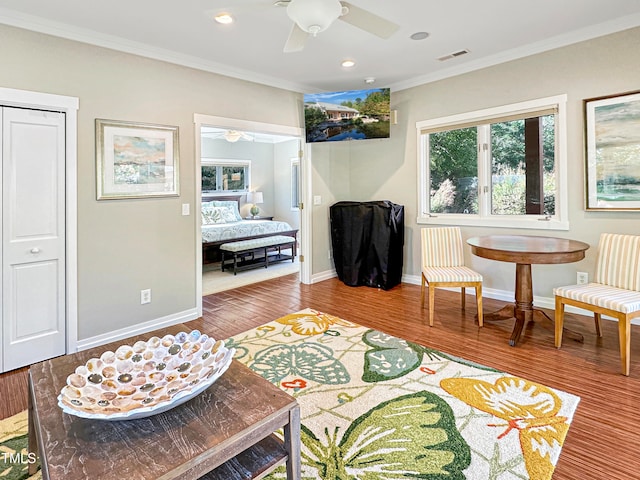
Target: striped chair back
{"x": 442, "y": 247}
{"x": 618, "y": 261}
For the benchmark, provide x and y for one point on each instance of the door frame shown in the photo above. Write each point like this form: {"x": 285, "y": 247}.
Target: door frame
{"x": 10, "y": 97}
{"x": 201, "y": 120}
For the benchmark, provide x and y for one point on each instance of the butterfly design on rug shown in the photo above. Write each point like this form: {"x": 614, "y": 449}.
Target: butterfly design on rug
{"x": 311, "y": 322}
{"x": 392, "y": 357}
{"x": 307, "y": 360}
{"x": 529, "y": 408}
{"x": 411, "y": 436}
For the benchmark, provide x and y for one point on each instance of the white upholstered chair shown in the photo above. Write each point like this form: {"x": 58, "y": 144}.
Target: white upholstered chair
{"x": 443, "y": 266}
{"x": 615, "y": 291}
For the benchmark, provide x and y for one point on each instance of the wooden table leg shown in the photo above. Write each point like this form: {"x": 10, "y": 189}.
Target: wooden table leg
{"x": 523, "y": 311}
{"x": 292, "y": 445}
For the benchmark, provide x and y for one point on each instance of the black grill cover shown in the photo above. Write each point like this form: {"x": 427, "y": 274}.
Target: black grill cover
{"x": 367, "y": 240}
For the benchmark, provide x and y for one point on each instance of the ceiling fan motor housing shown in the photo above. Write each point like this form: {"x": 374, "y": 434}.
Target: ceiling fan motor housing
{"x": 314, "y": 16}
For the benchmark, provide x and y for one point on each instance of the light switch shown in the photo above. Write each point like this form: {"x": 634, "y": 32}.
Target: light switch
{"x": 185, "y": 209}
{"x": 317, "y": 200}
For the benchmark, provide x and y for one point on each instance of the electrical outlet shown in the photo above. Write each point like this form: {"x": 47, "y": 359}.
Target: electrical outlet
{"x": 329, "y": 254}
{"x": 145, "y": 296}
{"x": 582, "y": 278}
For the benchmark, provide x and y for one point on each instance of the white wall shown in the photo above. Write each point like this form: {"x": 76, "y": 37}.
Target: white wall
{"x": 284, "y": 152}
{"x": 262, "y": 160}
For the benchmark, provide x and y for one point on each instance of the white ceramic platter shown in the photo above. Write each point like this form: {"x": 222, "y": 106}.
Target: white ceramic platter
{"x": 145, "y": 378}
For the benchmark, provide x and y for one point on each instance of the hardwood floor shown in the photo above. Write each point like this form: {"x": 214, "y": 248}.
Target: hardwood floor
{"x": 603, "y": 438}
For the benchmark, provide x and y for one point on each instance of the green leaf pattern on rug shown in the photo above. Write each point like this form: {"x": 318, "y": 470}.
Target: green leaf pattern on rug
{"x": 392, "y": 357}
{"x": 372, "y": 406}
{"x": 309, "y": 360}
{"x": 412, "y": 436}
{"x": 10, "y": 470}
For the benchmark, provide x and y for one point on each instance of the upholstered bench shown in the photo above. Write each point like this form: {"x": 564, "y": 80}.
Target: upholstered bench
{"x": 254, "y": 253}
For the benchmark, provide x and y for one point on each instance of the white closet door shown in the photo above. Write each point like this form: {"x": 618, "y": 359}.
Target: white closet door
{"x": 33, "y": 236}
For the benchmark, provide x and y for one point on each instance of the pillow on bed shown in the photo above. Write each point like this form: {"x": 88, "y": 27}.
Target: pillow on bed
{"x": 210, "y": 216}
{"x": 227, "y": 214}
{"x": 230, "y": 204}
{"x": 213, "y": 215}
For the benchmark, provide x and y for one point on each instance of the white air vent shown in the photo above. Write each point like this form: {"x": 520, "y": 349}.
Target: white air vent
{"x": 459, "y": 53}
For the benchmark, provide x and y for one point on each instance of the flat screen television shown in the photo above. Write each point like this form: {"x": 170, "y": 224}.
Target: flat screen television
{"x": 348, "y": 115}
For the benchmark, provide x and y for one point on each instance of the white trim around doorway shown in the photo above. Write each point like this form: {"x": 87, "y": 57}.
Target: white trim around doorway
{"x": 201, "y": 120}
{"x": 69, "y": 105}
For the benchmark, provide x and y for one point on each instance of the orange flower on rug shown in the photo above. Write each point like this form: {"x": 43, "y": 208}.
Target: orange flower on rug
{"x": 379, "y": 407}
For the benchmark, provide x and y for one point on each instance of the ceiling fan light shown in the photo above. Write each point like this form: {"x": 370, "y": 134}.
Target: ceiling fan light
{"x": 314, "y": 16}
{"x": 224, "y": 18}
{"x": 232, "y": 136}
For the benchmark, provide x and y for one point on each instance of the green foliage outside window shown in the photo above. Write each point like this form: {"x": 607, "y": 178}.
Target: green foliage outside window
{"x": 225, "y": 178}
{"x": 453, "y": 163}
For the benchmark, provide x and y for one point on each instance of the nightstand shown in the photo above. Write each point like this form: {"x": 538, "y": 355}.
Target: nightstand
{"x": 260, "y": 217}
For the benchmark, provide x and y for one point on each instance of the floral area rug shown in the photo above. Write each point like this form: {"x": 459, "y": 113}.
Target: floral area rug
{"x": 14, "y": 458}
{"x": 378, "y": 407}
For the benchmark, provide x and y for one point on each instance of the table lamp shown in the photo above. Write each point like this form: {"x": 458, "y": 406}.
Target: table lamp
{"x": 255, "y": 198}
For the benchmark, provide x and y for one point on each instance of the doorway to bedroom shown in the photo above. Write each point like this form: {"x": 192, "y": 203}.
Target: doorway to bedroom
{"x": 253, "y": 169}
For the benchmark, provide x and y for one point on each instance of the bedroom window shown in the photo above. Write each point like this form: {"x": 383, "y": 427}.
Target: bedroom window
{"x": 222, "y": 176}
{"x": 295, "y": 184}
{"x": 502, "y": 167}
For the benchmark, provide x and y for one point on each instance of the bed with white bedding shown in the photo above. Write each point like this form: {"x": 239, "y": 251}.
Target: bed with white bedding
{"x": 222, "y": 222}
{"x": 242, "y": 228}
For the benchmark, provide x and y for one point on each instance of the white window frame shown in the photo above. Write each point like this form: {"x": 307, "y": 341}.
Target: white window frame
{"x": 218, "y": 162}
{"x": 559, "y": 221}
{"x": 295, "y": 184}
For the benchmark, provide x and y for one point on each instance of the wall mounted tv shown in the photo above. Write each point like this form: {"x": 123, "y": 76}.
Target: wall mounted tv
{"x": 348, "y": 115}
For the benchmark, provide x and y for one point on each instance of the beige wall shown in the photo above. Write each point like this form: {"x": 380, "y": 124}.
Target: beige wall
{"x": 128, "y": 245}
{"x": 387, "y": 170}
{"x": 331, "y": 182}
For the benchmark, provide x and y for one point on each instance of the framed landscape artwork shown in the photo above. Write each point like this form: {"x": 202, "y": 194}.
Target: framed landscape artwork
{"x": 613, "y": 152}
{"x": 136, "y": 160}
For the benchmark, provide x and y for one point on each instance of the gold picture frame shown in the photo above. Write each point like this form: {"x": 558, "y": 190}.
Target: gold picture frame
{"x": 136, "y": 160}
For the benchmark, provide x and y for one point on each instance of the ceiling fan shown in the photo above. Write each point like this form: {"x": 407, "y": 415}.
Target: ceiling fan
{"x": 231, "y": 136}
{"x": 311, "y": 17}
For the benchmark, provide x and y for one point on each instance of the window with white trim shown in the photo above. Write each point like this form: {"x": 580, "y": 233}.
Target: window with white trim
{"x": 502, "y": 167}
{"x": 295, "y": 184}
{"x": 225, "y": 176}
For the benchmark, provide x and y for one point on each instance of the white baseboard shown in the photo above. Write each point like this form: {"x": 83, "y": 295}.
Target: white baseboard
{"x": 508, "y": 296}
{"x": 326, "y": 275}
{"x": 138, "y": 329}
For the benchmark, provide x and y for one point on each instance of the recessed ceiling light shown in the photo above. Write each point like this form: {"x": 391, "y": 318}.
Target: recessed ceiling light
{"x": 224, "y": 18}
{"x": 419, "y": 36}
{"x": 369, "y": 80}
{"x": 348, "y": 63}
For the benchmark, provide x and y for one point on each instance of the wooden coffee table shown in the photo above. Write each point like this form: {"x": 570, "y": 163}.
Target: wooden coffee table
{"x": 226, "y": 432}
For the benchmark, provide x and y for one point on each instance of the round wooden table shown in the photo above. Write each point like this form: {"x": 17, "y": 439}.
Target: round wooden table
{"x": 525, "y": 250}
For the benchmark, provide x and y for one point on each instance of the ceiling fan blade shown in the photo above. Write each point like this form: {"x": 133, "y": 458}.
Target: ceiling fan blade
{"x": 368, "y": 21}
{"x": 297, "y": 39}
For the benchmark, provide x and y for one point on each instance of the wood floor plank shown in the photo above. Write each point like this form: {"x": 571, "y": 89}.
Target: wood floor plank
{"x": 605, "y": 432}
